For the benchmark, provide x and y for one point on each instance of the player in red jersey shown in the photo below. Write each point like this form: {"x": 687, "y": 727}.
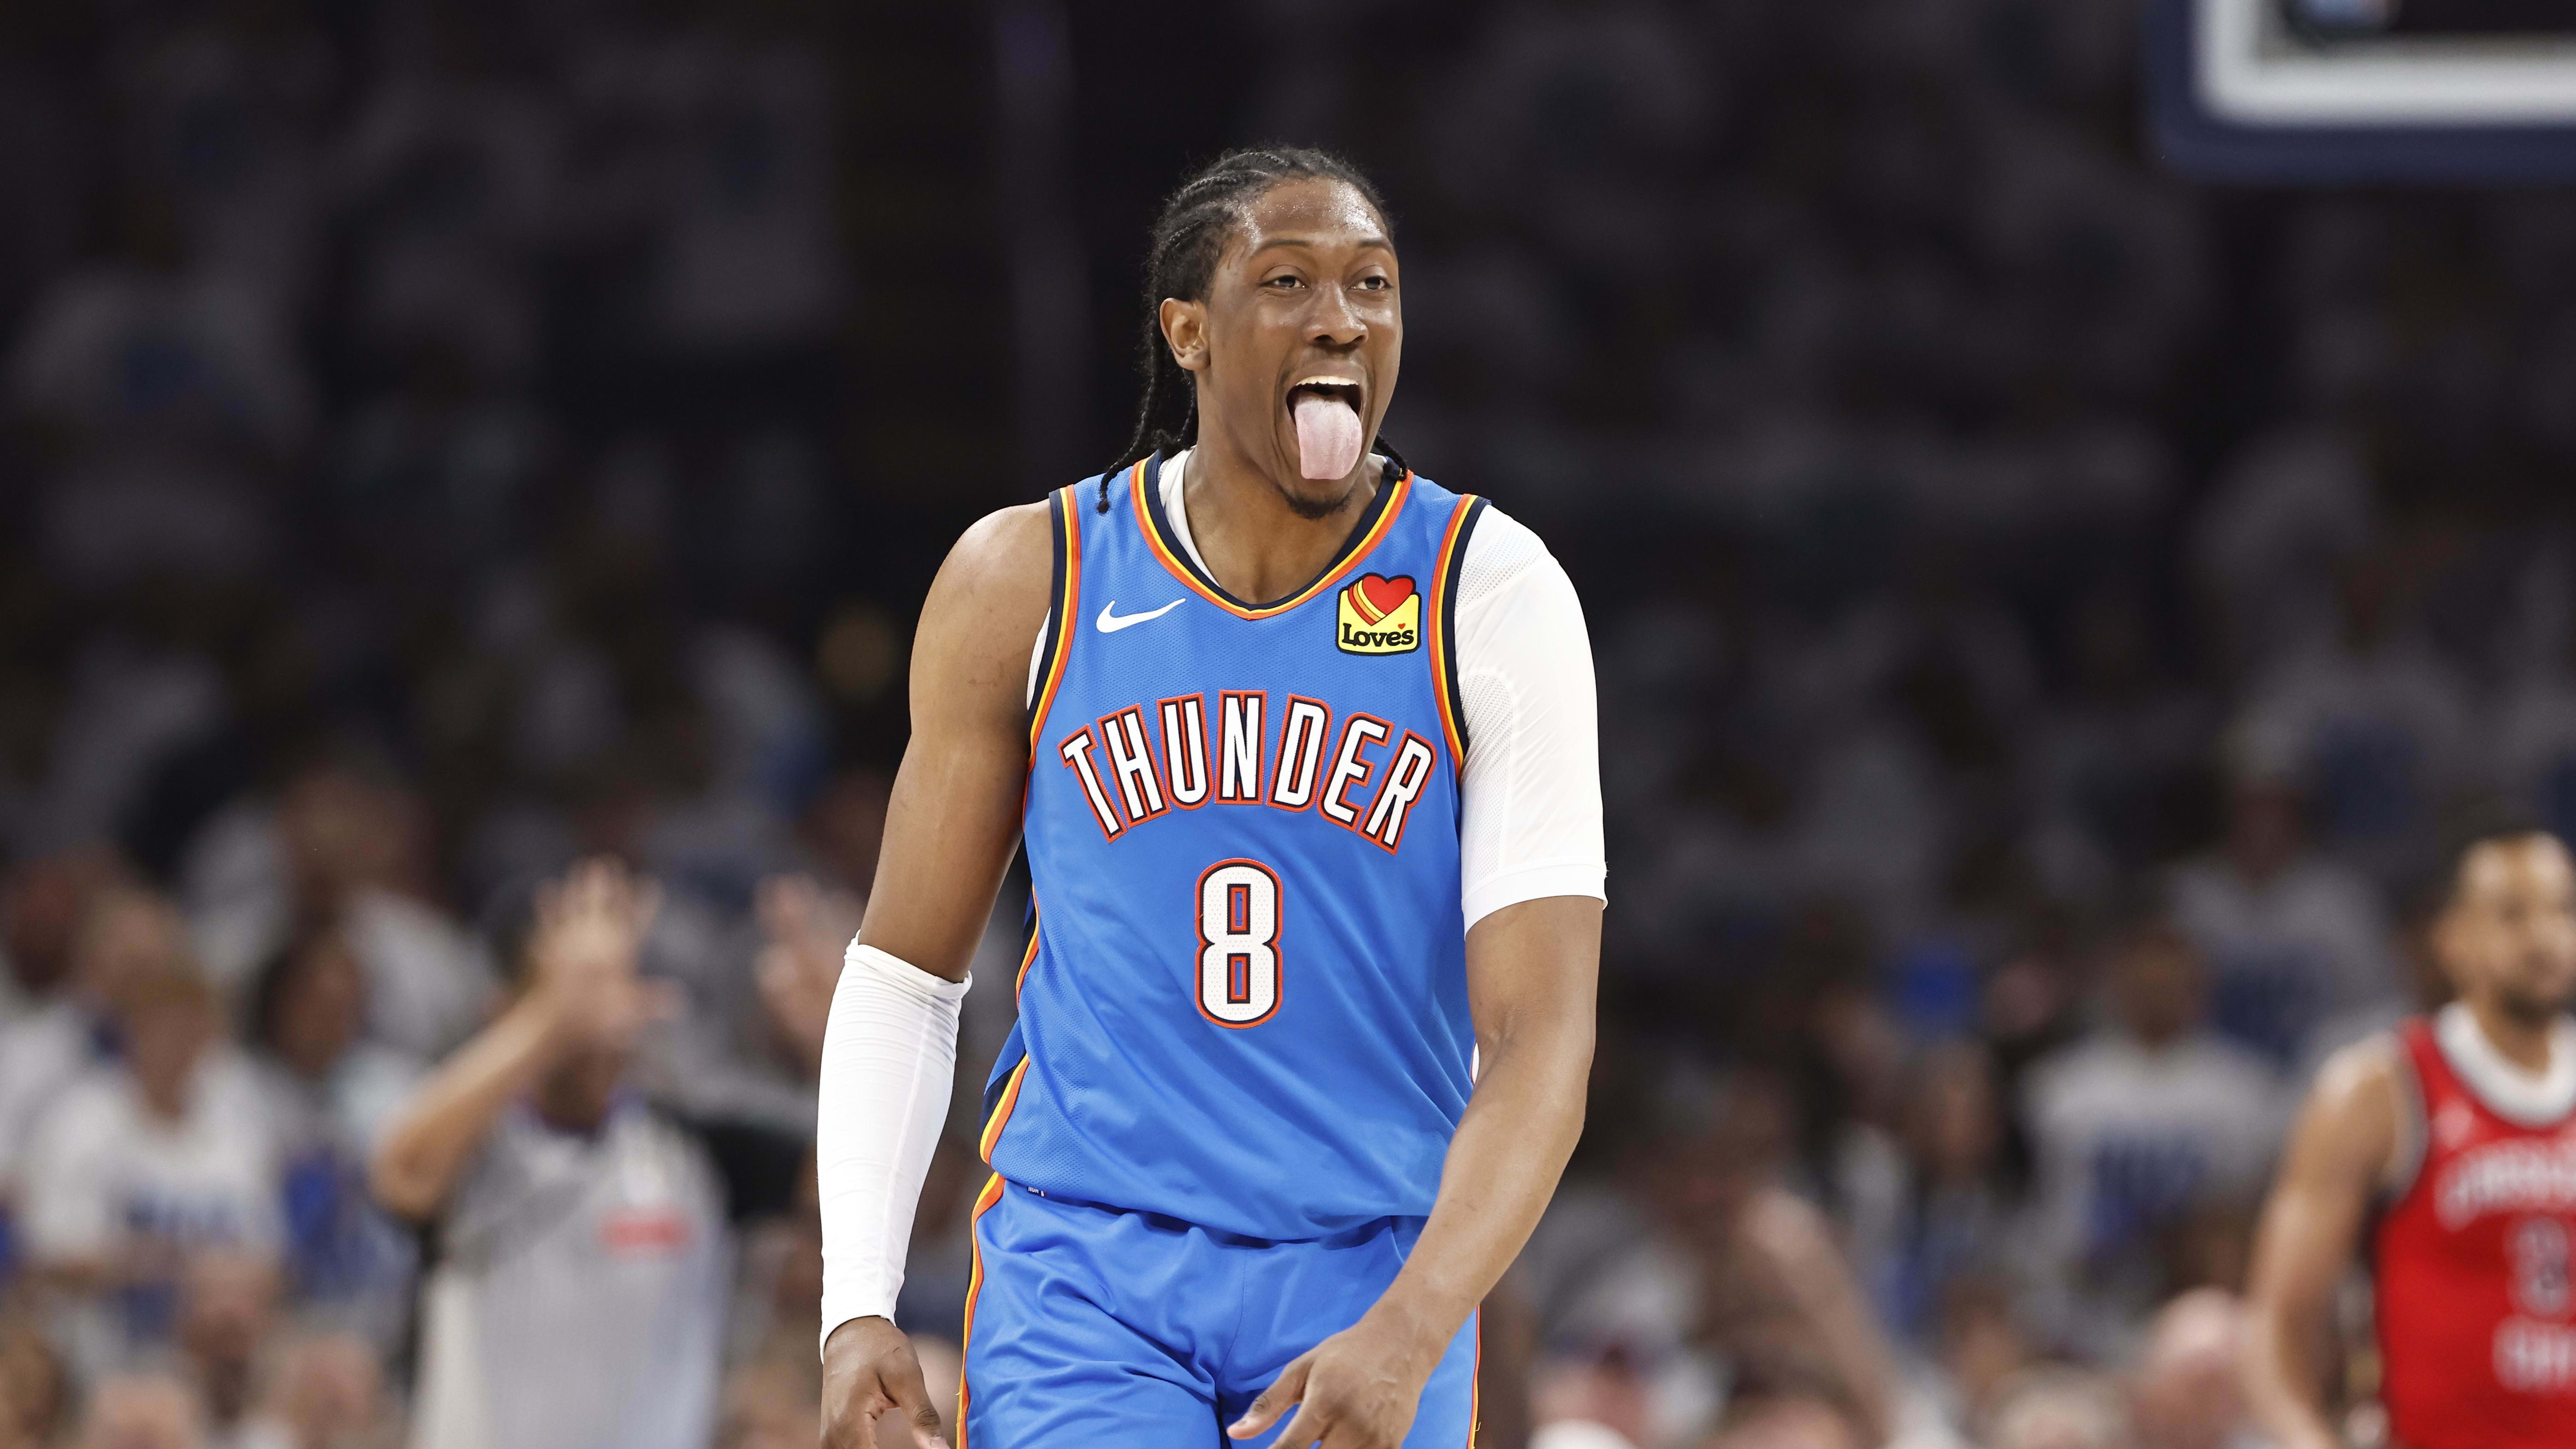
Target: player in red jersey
{"x": 2459, "y": 1132}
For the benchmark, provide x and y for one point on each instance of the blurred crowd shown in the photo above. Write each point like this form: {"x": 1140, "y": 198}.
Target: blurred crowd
{"x": 2043, "y": 610}
{"x": 413, "y": 482}
{"x": 2046, "y": 612}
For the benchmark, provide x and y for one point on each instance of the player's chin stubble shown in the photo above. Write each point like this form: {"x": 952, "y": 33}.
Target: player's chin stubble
{"x": 2531, "y": 1008}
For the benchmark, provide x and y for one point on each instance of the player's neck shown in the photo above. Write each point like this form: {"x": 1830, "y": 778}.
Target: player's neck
{"x": 1254, "y": 544}
{"x": 2525, "y": 1043}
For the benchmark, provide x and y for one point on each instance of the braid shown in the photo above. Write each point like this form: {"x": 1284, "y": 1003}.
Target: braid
{"x": 1189, "y": 236}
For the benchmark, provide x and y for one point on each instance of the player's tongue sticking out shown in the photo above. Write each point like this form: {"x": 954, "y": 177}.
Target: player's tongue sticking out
{"x": 1328, "y": 434}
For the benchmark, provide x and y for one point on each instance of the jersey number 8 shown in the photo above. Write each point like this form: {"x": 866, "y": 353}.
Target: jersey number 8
{"x": 1238, "y": 968}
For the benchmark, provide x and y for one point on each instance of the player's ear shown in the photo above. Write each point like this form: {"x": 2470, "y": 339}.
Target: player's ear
{"x": 1185, "y": 332}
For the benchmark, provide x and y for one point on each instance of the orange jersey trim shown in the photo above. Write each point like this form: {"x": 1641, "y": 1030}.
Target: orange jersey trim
{"x": 1028, "y": 957}
{"x": 1181, "y": 570}
{"x": 1002, "y": 1109}
{"x": 1475, "y": 1382}
{"x": 1435, "y": 634}
{"x": 1066, "y": 596}
{"x": 984, "y": 1201}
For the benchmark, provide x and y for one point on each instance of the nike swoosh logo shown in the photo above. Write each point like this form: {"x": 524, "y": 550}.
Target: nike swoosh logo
{"x": 1110, "y": 621}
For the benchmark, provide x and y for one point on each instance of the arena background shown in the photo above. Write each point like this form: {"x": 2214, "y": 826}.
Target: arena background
{"x": 2045, "y": 608}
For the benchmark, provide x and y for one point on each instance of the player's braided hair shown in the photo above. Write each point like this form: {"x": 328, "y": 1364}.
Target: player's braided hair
{"x": 1190, "y": 233}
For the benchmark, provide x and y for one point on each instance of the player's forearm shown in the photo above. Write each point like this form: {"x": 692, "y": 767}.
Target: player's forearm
{"x": 428, "y": 1146}
{"x": 1503, "y": 1165}
{"x": 2298, "y": 1257}
{"x": 2284, "y": 1384}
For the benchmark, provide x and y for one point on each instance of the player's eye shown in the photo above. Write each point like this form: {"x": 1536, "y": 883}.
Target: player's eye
{"x": 1285, "y": 282}
{"x": 1373, "y": 284}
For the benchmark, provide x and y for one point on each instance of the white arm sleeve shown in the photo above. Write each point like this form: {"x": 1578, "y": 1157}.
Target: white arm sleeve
{"x": 889, "y": 1059}
{"x": 1532, "y": 784}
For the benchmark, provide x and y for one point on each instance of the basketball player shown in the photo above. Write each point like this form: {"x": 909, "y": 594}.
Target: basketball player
{"x": 2458, "y": 1132}
{"x": 1304, "y": 759}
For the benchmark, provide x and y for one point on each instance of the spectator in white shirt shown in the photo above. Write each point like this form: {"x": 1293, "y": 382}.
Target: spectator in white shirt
{"x": 2375, "y": 721}
{"x": 124, "y": 935}
{"x": 342, "y": 846}
{"x": 2292, "y": 939}
{"x": 2147, "y": 1124}
{"x": 138, "y": 1165}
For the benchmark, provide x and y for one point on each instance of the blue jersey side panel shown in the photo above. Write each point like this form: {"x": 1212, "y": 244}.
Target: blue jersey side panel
{"x": 1245, "y": 1004}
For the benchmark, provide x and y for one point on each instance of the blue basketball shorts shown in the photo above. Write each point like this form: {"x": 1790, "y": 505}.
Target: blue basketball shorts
{"x": 1091, "y": 1326}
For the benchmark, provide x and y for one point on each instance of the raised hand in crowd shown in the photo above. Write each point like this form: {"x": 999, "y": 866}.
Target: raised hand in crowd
{"x": 570, "y": 1026}
{"x": 804, "y": 929}
{"x": 582, "y": 957}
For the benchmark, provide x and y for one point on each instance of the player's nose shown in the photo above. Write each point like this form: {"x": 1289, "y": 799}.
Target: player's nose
{"x": 1336, "y": 322}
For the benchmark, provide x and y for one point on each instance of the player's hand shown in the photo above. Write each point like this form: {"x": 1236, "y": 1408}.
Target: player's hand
{"x": 1358, "y": 1389}
{"x": 869, "y": 1371}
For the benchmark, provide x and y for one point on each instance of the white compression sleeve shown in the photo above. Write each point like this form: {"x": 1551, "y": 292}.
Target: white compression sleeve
{"x": 1530, "y": 797}
{"x": 1531, "y": 791}
{"x": 889, "y": 1059}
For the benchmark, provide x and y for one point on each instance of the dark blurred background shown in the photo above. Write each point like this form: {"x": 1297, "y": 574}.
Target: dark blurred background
{"x": 2044, "y": 608}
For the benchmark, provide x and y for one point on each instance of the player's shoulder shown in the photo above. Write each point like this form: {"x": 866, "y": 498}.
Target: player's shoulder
{"x": 992, "y": 596}
{"x": 1001, "y": 567}
{"x": 2355, "y": 1128}
{"x": 2376, "y": 1061}
{"x": 1500, "y": 551}
{"x": 1003, "y": 543}
{"x": 2366, "y": 1083}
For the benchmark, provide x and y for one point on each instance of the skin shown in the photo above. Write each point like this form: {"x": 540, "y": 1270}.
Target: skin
{"x": 2507, "y": 940}
{"x": 323, "y": 1013}
{"x": 142, "y": 1411}
{"x": 127, "y": 935}
{"x": 228, "y": 1303}
{"x": 1774, "y": 1286}
{"x": 327, "y": 1390}
{"x": 564, "y": 1040}
{"x": 2158, "y": 989}
{"x": 1306, "y": 288}
{"x": 164, "y": 1044}
{"x": 166, "y": 1038}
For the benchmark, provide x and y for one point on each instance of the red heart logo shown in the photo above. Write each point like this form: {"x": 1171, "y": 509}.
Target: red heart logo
{"x": 1382, "y": 596}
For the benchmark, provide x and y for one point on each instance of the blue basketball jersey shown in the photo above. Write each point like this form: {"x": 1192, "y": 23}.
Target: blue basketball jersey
{"x": 1244, "y": 998}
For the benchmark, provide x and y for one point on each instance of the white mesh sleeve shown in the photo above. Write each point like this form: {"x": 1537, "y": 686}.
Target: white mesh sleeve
{"x": 889, "y": 1058}
{"x": 1532, "y": 783}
